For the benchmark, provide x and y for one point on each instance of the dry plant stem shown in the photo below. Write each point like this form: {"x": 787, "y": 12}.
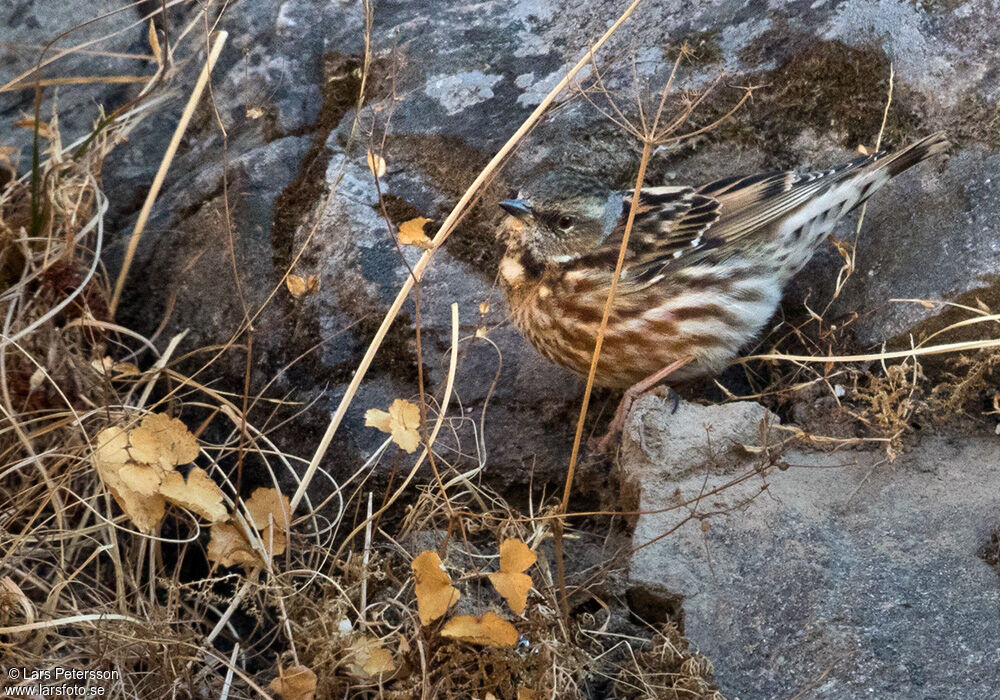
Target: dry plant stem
{"x": 943, "y": 349}
{"x": 161, "y": 173}
{"x": 82, "y": 80}
{"x": 364, "y": 562}
{"x": 439, "y": 238}
{"x": 557, "y": 529}
{"x": 849, "y": 265}
{"x": 71, "y": 620}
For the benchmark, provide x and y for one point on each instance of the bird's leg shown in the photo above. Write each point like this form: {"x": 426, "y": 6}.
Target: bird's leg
{"x": 634, "y": 392}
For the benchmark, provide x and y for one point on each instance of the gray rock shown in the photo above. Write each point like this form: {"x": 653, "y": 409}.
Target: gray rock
{"x": 30, "y": 24}
{"x": 844, "y": 575}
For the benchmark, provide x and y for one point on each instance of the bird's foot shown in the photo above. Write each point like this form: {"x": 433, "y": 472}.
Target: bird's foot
{"x": 601, "y": 445}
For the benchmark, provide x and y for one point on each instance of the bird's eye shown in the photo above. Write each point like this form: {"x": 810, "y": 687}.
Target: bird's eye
{"x": 565, "y": 223}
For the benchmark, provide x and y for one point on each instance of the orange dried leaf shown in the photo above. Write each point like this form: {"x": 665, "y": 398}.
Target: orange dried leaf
{"x": 102, "y": 366}
{"x": 228, "y": 547}
{"x": 488, "y": 630}
{"x": 525, "y": 694}
{"x": 296, "y": 285}
{"x": 265, "y": 505}
{"x": 295, "y": 683}
{"x": 435, "y": 594}
{"x": 301, "y": 286}
{"x": 402, "y": 422}
{"x": 125, "y": 369}
{"x": 370, "y": 658}
{"x": 44, "y": 130}
{"x": 164, "y": 440}
{"x": 412, "y": 233}
{"x": 145, "y": 511}
{"x": 271, "y": 514}
{"x": 141, "y": 478}
{"x": 198, "y": 493}
{"x": 111, "y": 447}
{"x": 510, "y": 582}
{"x": 110, "y": 458}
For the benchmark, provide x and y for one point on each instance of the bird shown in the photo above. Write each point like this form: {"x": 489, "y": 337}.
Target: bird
{"x": 704, "y": 269}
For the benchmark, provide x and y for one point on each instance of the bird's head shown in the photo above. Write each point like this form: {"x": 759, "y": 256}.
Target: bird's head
{"x": 560, "y": 215}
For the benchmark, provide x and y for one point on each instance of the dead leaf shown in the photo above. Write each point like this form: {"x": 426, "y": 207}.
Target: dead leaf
{"x": 412, "y": 233}
{"x": 265, "y": 505}
{"x": 125, "y": 369}
{"x": 271, "y": 514}
{"x": 145, "y": 511}
{"x": 510, "y": 582}
{"x": 376, "y": 164}
{"x": 481, "y": 332}
{"x": 110, "y": 457}
{"x": 301, "y": 286}
{"x": 369, "y": 658}
{"x": 111, "y": 447}
{"x": 198, "y": 494}
{"x": 44, "y": 130}
{"x": 484, "y": 307}
{"x": 295, "y": 683}
{"x": 864, "y": 150}
{"x": 228, "y": 547}
{"x": 254, "y": 112}
{"x": 488, "y": 630}
{"x": 401, "y": 422}
{"x": 525, "y": 694}
{"x": 142, "y": 478}
{"x": 435, "y": 594}
{"x": 103, "y": 366}
{"x": 162, "y": 440}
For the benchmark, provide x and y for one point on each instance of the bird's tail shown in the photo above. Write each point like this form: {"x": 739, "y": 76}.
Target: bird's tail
{"x": 892, "y": 164}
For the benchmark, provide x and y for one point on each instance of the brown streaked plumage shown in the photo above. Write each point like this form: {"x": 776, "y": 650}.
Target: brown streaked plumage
{"x": 704, "y": 269}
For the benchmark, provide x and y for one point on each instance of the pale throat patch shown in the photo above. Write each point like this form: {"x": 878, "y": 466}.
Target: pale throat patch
{"x": 512, "y": 270}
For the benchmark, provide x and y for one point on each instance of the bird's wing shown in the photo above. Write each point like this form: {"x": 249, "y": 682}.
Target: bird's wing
{"x": 669, "y": 221}
{"x": 680, "y": 226}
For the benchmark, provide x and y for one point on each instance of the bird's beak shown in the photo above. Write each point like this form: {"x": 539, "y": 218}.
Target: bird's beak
{"x": 518, "y": 208}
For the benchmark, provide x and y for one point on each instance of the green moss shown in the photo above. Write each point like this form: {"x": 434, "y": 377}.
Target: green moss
{"x": 836, "y": 90}
{"x": 830, "y": 86}
{"x": 976, "y": 119}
